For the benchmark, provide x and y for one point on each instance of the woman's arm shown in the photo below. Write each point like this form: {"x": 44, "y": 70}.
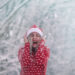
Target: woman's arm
{"x": 43, "y": 56}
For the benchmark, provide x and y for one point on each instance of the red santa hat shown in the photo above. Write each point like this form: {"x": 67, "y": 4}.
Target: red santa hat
{"x": 34, "y": 28}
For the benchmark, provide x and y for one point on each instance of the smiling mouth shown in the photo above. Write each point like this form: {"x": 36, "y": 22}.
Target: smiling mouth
{"x": 35, "y": 42}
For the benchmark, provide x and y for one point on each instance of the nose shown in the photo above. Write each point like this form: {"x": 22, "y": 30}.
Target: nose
{"x": 34, "y": 36}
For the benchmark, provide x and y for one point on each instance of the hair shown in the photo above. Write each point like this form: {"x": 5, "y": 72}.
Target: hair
{"x": 32, "y": 49}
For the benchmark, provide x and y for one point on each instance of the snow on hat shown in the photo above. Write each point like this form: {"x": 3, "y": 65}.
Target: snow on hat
{"x": 34, "y": 28}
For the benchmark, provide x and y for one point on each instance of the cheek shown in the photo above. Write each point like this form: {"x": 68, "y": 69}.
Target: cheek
{"x": 39, "y": 39}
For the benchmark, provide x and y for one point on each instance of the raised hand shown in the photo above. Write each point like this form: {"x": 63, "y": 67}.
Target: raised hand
{"x": 25, "y": 39}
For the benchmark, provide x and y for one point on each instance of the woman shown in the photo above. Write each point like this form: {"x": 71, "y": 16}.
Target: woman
{"x": 34, "y": 56}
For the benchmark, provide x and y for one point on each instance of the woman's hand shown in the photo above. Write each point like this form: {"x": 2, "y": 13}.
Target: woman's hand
{"x": 29, "y": 39}
{"x": 25, "y": 39}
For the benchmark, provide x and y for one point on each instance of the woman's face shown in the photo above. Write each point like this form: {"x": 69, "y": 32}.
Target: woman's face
{"x": 36, "y": 38}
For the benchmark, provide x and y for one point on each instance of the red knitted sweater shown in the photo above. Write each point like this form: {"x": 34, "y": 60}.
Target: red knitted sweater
{"x": 33, "y": 64}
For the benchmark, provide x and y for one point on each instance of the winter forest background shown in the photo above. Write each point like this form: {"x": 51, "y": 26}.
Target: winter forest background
{"x": 55, "y": 17}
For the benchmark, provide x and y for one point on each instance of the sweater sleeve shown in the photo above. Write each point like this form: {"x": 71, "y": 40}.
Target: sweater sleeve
{"x": 21, "y": 51}
{"x": 43, "y": 56}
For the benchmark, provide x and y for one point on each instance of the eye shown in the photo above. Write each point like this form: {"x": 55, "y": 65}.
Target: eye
{"x": 32, "y": 35}
{"x": 37, "y": 35}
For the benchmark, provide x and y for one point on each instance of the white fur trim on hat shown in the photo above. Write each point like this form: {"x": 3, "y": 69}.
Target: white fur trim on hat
{"x": 34, "y": 30}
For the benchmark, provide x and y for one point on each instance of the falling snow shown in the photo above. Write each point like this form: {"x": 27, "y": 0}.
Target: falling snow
{"x": 55, "y": 17}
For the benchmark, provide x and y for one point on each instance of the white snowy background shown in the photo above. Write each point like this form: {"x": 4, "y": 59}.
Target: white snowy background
{"x": 55, "y": 17}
